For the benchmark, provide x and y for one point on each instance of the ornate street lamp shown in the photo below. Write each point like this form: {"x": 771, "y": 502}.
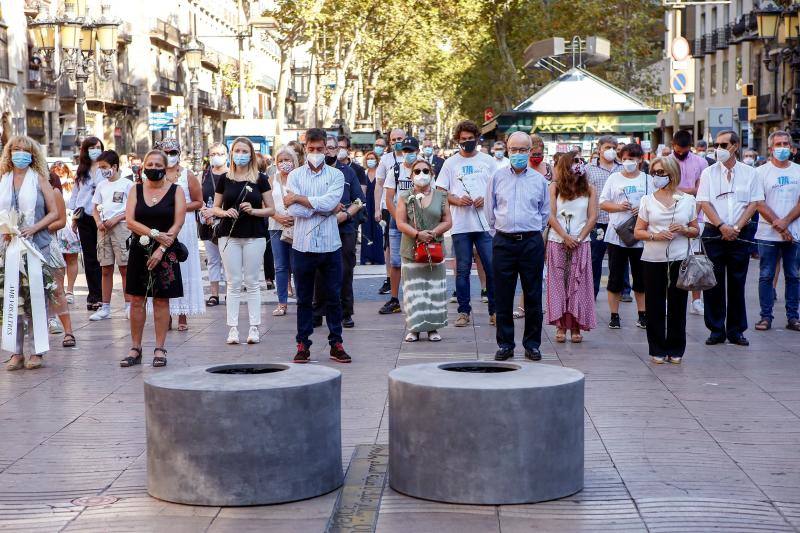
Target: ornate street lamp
{"x": 193, "y": 54}
{"x": 768, "y": 18}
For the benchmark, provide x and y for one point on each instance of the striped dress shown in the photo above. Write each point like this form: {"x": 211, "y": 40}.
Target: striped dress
{"x": 424, "y": 285}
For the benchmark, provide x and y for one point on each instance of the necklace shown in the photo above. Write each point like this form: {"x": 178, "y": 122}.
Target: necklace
{"x": 154, "y": 199}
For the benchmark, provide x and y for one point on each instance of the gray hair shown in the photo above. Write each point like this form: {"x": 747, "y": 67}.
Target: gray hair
{"x": 521, "y": 134}
{"x": 607, "y": 139}
{"x": 332, "y": 138}
{"x": 779, "y": 133}
{"x": 734, "y": 136}
{"x": 288, "y": 151}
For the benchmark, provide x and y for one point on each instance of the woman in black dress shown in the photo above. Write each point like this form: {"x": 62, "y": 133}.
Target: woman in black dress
{"x": 155, "y": 215}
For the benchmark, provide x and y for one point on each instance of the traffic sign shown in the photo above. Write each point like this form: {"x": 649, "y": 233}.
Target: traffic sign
{"x": 159, "y": 121}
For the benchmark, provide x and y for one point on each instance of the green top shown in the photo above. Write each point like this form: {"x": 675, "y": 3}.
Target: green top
{"x": 426, "y": 218}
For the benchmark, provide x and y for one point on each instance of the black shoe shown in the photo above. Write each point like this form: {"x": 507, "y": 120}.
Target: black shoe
{"x": 712, "y": 340}
{"x": 739, "y": 341}
{"x": 270, "y": 285}
{"x": 641, "y": 323}
{"x": 484, "y": 296}
{"x": 386, "y": 288}
{"x": 626, "y": 298}
{"x": 303, "y": 355}
{"x": 392, "y": 306}
{"x": 347, "y": 322}
{"x": 317, "y": 321}
{"x": 503, "y": 354}
{"x": 533, "y": 354}
{"x": 614, "y": 322}
{"x": 339, "y": 355}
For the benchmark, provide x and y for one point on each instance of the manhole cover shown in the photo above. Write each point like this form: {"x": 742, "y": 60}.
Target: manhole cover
{"x": 94, "y": 501}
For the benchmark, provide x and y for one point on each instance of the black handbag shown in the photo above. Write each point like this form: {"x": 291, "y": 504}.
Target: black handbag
{"x": 181, "y": 251}
{"x": 625, "y": 230}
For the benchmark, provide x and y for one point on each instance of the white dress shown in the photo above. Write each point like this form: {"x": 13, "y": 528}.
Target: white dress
{"x": 192, "y": 303}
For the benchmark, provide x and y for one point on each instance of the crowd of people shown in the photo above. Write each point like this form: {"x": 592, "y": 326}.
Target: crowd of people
{"x": 297, "y": 216}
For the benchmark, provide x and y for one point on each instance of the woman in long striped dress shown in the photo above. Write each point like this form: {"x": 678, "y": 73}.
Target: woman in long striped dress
{"x": 422, "y": 215}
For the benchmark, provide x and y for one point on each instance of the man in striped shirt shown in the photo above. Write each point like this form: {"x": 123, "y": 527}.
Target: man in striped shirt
{"x": 312, "y": 198}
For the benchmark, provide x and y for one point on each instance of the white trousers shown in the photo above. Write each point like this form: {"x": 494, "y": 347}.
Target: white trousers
{"x": 214, "y": 262}
{"x": 242, "y": 259}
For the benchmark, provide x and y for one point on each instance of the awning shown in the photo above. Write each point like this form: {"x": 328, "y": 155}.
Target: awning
{"x": 266, "y": 82}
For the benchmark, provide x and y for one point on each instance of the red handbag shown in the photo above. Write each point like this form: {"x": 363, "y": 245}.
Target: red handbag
{"x": 429, "y": 252}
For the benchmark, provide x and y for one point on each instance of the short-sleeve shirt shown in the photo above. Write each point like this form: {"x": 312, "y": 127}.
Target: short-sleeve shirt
{"x": 402, "y": 184}
{"x": 459, "y": 172}
{"x": 781, "y": 188}
{"x": 619, "y": 189}
{"x": 233, "y": 194}
{"x": 659, "y": 218}
{"x": 729, "y": 198}
{"x": 111, "y": 197}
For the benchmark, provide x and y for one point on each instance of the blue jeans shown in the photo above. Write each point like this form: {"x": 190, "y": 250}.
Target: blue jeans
{"x": 282, "y": 254}
{"x": 306, "y": 265}
{"x": 771, "y": 252}
{"x": 462, "y": 246}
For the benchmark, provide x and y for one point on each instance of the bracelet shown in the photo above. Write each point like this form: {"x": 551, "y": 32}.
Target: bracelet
{"x": 163, "y": 249}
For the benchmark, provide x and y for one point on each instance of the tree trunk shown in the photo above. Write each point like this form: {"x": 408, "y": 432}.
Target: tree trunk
{"x": 369, "y": 96}
{"x": 283, "y": 90}
{"x": 342, "y": 66}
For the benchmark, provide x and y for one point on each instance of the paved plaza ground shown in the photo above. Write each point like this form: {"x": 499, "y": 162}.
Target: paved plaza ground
{"x": 710, "y": 445}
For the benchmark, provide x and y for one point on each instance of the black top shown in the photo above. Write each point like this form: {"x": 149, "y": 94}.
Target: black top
{"x": 233, "y": 194}
{"x": 351, "y": 191}
{"x": 209, "y": 185}
{"x": 160, "y": 216}
{"x": 361, "y": 174}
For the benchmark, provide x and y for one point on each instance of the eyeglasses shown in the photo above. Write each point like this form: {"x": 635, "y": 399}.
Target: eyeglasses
{"x": 418, "y": 171}
{"x": 660, "y": 173}
{"x": 173, "y": 152}
{"x": 724, "y": 146}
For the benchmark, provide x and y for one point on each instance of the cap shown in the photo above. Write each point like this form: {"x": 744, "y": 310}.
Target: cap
{"x": 410, "y": 143}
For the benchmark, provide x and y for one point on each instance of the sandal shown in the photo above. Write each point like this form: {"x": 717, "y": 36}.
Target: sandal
{"x": 763, "y": 325}
{"x": 280, "y": 310}
{"x": 131, "y": 361}
{"x": 212, "y": 301}
{"x": 159, "y": 361}
{"x": 434, "y": 336}
{"x": 183, "y": 327}
{"x": 561, "y": 335}
{"x": 576, "y": 337}
{"x": 70, "y": 298}
{"x": 412, "y": 337}
{"x": 519, "y": 313}
{"x": 17, "y": 362}
{"x": 69, "y": 340}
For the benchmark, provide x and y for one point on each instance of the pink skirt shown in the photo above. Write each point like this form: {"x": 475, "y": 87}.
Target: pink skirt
{"x": 570, "y": 289}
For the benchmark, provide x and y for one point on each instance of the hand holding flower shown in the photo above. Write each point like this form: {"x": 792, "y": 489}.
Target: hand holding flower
{"x": 478, "y": 203}
{"x": 246, "y": 208}
{"x": 232, "y": 213}
{"x": 155, "y": 259}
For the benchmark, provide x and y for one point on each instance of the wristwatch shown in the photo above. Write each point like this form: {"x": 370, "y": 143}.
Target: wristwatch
{"x": 163, "y": 249}
{"x": 736, "y": 227}
{"x": 154, "y": 233}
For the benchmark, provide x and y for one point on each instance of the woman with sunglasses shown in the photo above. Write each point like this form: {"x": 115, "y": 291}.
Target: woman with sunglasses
{"x": 192, "y": 302}
{"x": 667, "y": 220}
{"x": 422, "y": 216}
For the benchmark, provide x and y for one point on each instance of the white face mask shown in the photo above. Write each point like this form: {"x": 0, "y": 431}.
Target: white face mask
{"x": 218, "y": 160}
{"x": 342, "y": 154}
{"x": 422, "y": 180}
{"x": 315, "y": 159}
{"x": 721, "y": 155}
{"x": 630, "y": 165}
{"x": 173, "y": 160}
{"x": 749, "y": 161}
{"x": 659, "y": 182}
{"x": 610, "y": 155}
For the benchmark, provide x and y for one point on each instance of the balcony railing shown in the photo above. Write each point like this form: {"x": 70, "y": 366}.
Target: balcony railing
{"x": 207, "y": 99}
{"x": 226, "y": 104}
{"x": 42, "y": 86}
{"x": 109, "y": 91}
{"x": 166, "y": 85}
{"x": 708, "y": 43}
{"x": 697, "y": 47}
{"x": 166, "y": 33}
{"x": 721, "y": 37}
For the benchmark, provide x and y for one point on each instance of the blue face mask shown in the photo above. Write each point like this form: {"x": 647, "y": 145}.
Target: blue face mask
{"x": 781, "y": 153}
{"x": 410, "y": 158}
{"x": 94, "y": 153}
{"x": 21, "y": 159}
{"x": 379, "y": 150}
{"x": 241, "y": 160}
{"x": 518, "y": 161}
{"x": 428, "y": 150}
{"x": 371, "y": 163}
{"x": 499, "y": 154}
{"x": 398, "y": 146}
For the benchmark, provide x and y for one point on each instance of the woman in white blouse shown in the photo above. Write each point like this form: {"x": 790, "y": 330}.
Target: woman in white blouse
{"x": 280, "y": 222}
{"x": 667, "y": 220}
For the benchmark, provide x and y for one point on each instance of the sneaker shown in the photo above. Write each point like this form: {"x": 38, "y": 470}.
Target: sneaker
{"x": 70, "y": 298}
{"x": 697, "y": 307}
{"x": 101, "y": 314}
{"x": 462, "y": 320}
{"x": 453, "y": 298}
{"x": 626, "y": 298}
{"x": 675, "y": 360}
{"x": 658, "y": 360}
{"x": 253, "y": 336}
{"x": 233, "y": 336}
{"x": 54, "y": 326}
{"x": 492, "y": 320}
{"x": 303, "y": 355}
{"x": 386, "y": 288}
{"x": 339, "y": 355}
{"x": 390, "y": 307}
{"x": 127, "y": 311}
{"x": 484, "y": 296}
{"x": 641, "y": 322}
{"x": 614, "y": 323}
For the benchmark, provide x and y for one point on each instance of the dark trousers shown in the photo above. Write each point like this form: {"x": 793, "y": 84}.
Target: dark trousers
{"x": 523, "y": 258}
{"x": 305, "y": 266}
{"x": 665, "y": 336}
{"x": 348, "y": 266}
{"x": 725, "y": 309}
{"x": 87, "y": 232}
{"x": 269, "y": 261}
{"x": 598, "y": 252}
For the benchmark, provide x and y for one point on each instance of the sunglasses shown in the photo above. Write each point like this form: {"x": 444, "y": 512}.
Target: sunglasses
{"x": 173, "y": 152}
{"x": 660, "y": 173}
{"x": 724, "y": 146}
{"x": 418, "y": 171}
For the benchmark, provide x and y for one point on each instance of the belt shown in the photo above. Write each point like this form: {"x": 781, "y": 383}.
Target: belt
{"x": 518, "y": 236}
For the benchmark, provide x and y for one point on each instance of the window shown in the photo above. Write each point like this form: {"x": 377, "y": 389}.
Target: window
{"x": 713, "y": 18}
{"x": 702, "y": 88}
{"x": 702, "y": 24}
{"x": 739, "y": 81}
{"x": 725, "y": 77}
{"x": 712, "y": 91}
{"x": 739, "y": 7}
{"x": 3, "y": 51}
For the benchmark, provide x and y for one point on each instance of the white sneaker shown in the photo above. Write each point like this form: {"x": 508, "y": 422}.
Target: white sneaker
{"x": 233, "y": 336}
{"x": 101, "y": 314}
{"x": 253, "y": 337}
{"x": 697, "y": 307}
{"x": 127, "y": 311}
{"x": 54, "y": 326}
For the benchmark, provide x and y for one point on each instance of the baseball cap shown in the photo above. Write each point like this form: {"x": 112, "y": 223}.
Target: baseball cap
{"x": 410, "y": 143}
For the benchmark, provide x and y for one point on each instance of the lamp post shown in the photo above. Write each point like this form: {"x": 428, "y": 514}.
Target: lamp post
{"x": 193, "y": 54}
{"x": 78, "y": 42}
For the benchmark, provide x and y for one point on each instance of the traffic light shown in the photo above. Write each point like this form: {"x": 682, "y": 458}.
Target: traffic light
{"x": 748, "y": 89}
{"x": 752, "y": 108}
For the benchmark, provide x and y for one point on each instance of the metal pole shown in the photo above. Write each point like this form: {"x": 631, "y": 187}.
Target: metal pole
{"x": 241, "y": 35}
{"x": 81, "y": 77}
{"x": 196, "y": 143}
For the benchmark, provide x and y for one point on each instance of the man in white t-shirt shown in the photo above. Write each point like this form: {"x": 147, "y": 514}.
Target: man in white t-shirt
{"x": 109, "y": 199}
{"x": 464, "y": 177}
{"x": 499, "y": 153}
{"x": 780, "y": 181}
{"x": 391, "y": 159}
{"x": 729, "y": 193}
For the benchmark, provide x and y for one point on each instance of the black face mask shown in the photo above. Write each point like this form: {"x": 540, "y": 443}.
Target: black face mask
{"x": 330, "y": 160}
{"x": 680, "y": 156}
{"x": 135, "y": 169}
{"x": 469, "y": 146}
{"x": 155, "y": 174}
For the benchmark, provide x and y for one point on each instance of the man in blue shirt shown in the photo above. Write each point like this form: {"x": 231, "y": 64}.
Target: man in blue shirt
{"x": 517, "y": 209}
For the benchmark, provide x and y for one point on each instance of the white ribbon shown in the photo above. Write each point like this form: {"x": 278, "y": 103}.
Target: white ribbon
{"x": 14, "y": 265}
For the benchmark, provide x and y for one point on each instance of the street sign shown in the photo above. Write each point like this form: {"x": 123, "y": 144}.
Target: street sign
{"x": 680, "y": 49}
{"x": 719, "y": 119}
{"x": 681, "y": 76}
{"x": 160, "y": 121}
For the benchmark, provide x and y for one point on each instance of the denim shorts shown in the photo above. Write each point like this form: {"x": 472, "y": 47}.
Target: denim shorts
{"x": 394, "y": 246}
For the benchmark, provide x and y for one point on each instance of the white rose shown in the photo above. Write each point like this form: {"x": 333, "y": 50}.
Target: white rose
{"x": 144, "y": 240}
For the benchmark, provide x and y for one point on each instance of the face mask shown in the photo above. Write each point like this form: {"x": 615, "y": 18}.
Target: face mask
{"x": 218, "y": 160}
{"x": 579, "y": 169}
{"x": 173, "y": 160}
{"x": 749, "y": 161}
{"x": 410, "y": 158}
{"x": 721, "y": 155}
{"x": 499, "y": 154}
{"x": 106, "y": 173}
{"x": 610, "y": 155}
{"x": 659, "y": 182}
{"x": 342, "y": 154}
{"x": 330, "y": 160}
{"x": 241, "y": 160}
{"x": 379, "y": 150}
{"x": 701, "y": 153}
{"x": 285, "y": 166}
{"x": 536, "y": 161}
{"x": 155, "y": 174}
{"x": 398, "y": 146}
{"x": 94, "y": 153}
{"x": 422, "y": 180}
{"x": 782, "y": 153}
{"x": 315, "y": 159}
{"x": 371, "y": 163}
{"x": 135, "y": 169}
{"x": 469, "y": 146}
{"x": 519, "y": 161}
{"x": 428, "y": 150}
{"x": 21, "y": 159}
{"x": 680, "y": 157}
{"x": 629, "y": 165}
